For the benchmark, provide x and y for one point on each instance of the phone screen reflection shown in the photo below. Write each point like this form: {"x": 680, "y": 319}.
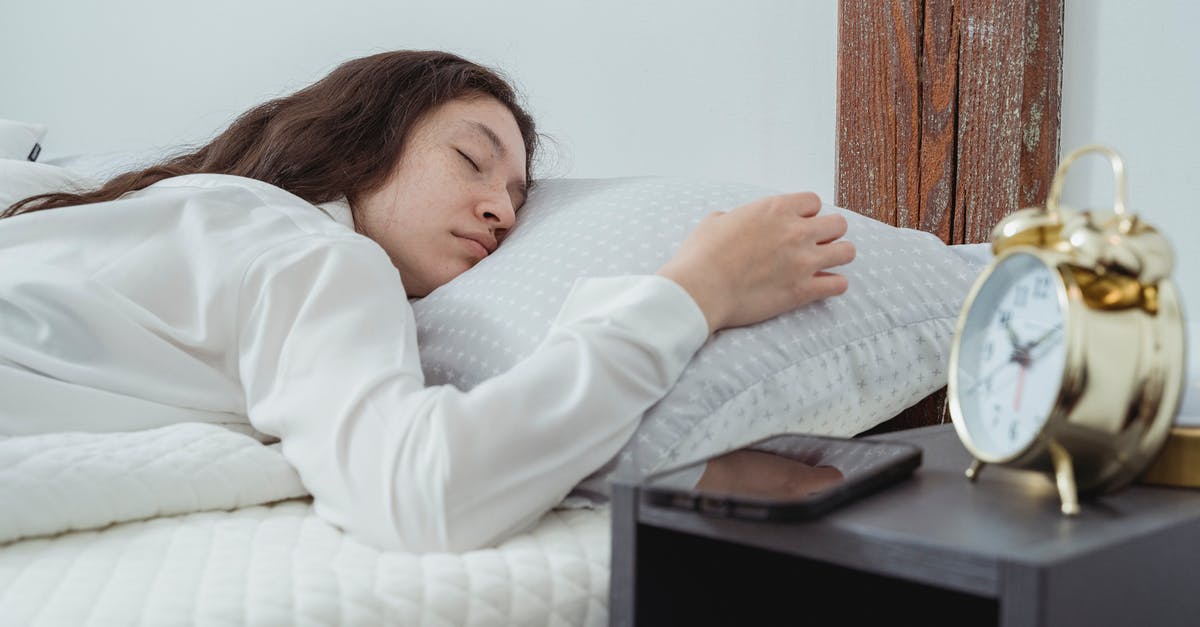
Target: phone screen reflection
{"x": 765, "y": 475}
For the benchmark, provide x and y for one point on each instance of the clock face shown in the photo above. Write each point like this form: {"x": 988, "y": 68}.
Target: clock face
{"x": 1011, "y": 356}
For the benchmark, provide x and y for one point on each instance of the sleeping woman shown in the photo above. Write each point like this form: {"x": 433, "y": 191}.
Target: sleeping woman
{"x": 262, "y": 282}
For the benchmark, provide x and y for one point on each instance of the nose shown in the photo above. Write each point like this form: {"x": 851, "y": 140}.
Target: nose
{"x": 496, "y": 210}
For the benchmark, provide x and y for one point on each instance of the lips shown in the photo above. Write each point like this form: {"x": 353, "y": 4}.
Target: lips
{"x": 479, "y": 245}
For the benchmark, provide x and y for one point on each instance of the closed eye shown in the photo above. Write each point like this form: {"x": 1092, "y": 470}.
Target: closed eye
{"x": 469, "y": 159}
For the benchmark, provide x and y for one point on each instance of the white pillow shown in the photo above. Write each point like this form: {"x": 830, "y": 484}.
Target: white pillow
{"x": 835, "y": 367}
{"x": 22, "y": 179}
{"x": 20, "y": 140}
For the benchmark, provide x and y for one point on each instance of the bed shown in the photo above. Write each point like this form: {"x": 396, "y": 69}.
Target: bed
{"x": 145, "y": 528}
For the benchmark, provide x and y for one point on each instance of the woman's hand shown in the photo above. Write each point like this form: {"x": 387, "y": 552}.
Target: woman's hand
{"x": 761, "y": 260}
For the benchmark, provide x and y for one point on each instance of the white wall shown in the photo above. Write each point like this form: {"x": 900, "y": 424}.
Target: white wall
{"x": 1131, "y": 81}
{"x": 709, "y": 88}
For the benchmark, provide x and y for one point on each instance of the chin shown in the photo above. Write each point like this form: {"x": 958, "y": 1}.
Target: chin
{"x": 433, "y": 278}
{"x": 429, "y": 286}
{"x": 420, "y": 289}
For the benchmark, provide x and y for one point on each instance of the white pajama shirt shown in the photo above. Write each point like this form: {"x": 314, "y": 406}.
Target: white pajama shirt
{"x": 221, "y": 299}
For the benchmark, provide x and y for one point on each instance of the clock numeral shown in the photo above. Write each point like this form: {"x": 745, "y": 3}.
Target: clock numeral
{"x": 1041, "y": 287}
{"x": 1005, "y": 316}
{"x": 1022, "y": 296}
{"x": 1012, "y": 430}
{"x": 989, "y": 349}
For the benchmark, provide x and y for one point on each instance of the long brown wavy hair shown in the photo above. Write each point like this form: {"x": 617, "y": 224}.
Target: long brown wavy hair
{"x": 340, "y": 136}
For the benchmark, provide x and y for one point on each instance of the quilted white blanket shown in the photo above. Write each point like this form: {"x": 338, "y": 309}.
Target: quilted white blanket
{"x": 197, "y": 524}
{"x": 66, "y": 481}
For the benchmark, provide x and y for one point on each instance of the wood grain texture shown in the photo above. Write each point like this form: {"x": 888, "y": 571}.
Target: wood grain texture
{"x": 948, "y": 111}
{"x": 1010, "y": 60}
{"x": 1041, "y": 104}
{"x": 948, "y": 118}
{"x": 878, "y": 107}
{"x": 939, "y": 117}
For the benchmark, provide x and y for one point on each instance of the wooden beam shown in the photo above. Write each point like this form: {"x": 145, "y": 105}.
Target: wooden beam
{"x": 939, "y": 119}
{"x": 948, "y": 118}
{"x": 1010, "y": 71}
{"x": 948, "y": 111}
{"x": 878, "y": 92}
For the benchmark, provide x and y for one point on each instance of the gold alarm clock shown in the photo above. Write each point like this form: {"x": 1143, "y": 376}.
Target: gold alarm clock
{"x": 1068, "y": 356}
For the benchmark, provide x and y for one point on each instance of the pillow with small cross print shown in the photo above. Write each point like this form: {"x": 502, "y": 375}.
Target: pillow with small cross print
{"x": 834, "y": 367}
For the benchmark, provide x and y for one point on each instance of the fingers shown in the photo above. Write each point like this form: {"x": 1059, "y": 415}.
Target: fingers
{"x": 826, "y": 284}
{"x": 819, "y": 228}
{"x": 761, "y": 259}
{"x": 827, "y": 228}
{"x": 803, "y": 204}
{"x": 807, "y": 204}
{"x": 838, "y": 254}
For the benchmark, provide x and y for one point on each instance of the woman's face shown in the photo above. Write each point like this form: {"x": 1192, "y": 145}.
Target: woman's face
{"x": 452, "y": 196}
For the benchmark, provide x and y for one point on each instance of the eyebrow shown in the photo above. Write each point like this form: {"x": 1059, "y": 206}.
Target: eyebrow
{"x": 490, "y": 135}
{"x": 494, "y": 140}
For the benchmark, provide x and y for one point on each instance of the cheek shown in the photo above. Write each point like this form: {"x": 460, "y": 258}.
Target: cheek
{"x": 430, "y": 200}
{"x": 382, "y": 218}
{"x": 393, "y": 216}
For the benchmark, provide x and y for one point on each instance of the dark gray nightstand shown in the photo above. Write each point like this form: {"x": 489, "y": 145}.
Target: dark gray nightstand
{"x": 934, "y": 549}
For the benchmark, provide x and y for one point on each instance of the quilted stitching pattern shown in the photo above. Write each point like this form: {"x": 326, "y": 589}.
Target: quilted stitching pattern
{"x": 281, "y": 565}
{"x": 63, "y": 481}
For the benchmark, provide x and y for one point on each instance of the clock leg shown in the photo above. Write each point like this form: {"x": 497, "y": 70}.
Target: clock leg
{"x": 1064, "y": 474}
{"x": 973, "y": 471}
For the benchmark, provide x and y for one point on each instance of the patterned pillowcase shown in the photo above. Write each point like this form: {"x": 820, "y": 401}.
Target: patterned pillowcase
{"x": 834, "y": 367}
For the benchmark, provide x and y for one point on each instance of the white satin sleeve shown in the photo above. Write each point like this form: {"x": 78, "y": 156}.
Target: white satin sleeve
{"x": 329, "y": 364}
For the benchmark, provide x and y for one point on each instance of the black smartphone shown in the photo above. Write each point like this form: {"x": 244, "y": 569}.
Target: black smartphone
{"x": 784, "y": 477}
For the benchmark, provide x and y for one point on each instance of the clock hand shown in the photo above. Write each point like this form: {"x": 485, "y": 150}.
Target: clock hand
{"x": 1012, "y": 335}
{"x": 989, "y": 376}
{"x": 1047, "y": 334}
{"x": 1044, "y": 345}
{"x": 1021, "y": 355}
{"x": 1020, "y": 384}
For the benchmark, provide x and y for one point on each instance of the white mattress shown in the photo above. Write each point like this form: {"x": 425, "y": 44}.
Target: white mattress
{"x": 280, "y": 565}
{"x": 196, "y": 524}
